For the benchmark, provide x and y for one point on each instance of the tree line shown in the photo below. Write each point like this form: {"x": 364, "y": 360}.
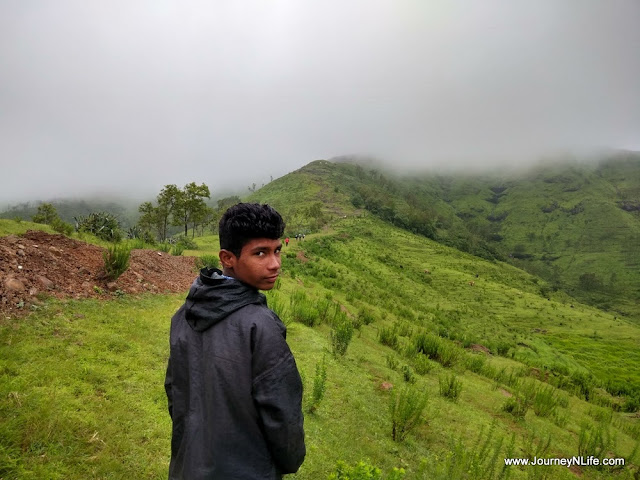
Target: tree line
{"x": 185, "y": 207}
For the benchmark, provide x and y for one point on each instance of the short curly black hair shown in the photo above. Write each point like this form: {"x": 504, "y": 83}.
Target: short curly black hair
{"x": 245, "y": 221}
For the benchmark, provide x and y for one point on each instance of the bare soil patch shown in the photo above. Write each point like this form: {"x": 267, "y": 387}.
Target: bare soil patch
{"x": 38, "y": 263}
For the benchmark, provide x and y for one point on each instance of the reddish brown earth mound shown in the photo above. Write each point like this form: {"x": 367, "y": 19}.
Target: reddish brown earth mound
{"x": 39, "y": 263}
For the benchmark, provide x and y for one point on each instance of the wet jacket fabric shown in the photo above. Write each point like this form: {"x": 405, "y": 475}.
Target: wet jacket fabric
{"x": 233, "y": 387}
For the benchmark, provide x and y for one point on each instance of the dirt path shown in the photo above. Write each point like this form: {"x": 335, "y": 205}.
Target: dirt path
{"x": 39, "y": 263}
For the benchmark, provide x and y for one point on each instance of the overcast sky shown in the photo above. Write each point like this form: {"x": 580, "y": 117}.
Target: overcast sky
{"x": 130, "y": 95}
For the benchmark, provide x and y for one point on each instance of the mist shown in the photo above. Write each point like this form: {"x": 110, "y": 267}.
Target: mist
{"x": 124, "y": 97}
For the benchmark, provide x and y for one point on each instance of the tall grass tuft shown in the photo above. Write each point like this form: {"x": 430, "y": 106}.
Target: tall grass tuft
{"x": 319, "y": 385}
{"x": 302, "y": 309}
{"x": 208, "y": 261}
{"x": 116, "y": 261}
{"x": 545, "y": 401}
{"x": 340, "y": 336}
{"x": 481, "y": 461}
{"x": 406, "y": 407}
{"x": 450, "y": 387}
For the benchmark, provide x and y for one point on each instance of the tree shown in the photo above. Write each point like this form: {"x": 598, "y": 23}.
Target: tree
{"x": 168, "y": 199}
{"x": 190, "y": 206}
{"x": 47, "y": 214}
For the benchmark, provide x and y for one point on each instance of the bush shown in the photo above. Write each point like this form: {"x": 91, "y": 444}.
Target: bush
{"x": 437, "y": 349}
{"x": 103, "y": 225}
{"x": 363, "y": 471}
{"x": 186, "y": 243}
{"x": 177, "y": 250}
{"x": 545, "y": 401}
{"x": 319, "y": 385}
{"x": 302, "y": 309}
{"x": 341, "y": 335}
{"x": 164, "y": 247}
{"x": 481, "y": 460}
{"x": 450, "y": 387}
{"x": 422, "y": 365}
{"x": 406, "y": 407}
{"x": 595, "y": 440}
{"x": 387, "y": 336}
{"x": 207, "y": 261}
{"x": 116, "y": 261}
{"x": 366, "y": 316}
{"x": 407, "y": 374}
{"x": 475, "y": 362}
{"x": 516, "y": 406}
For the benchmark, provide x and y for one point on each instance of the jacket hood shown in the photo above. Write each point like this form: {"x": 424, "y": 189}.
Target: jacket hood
{"x": 213, "y": 297}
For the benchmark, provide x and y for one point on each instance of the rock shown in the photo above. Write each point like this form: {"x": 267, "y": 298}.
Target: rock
{"x": 33, "y": 291}
{"x": 45, "y": 282}
{"x": 20, "y": 253}
{"x": 20, "y": 246}
{"x": 112, "y": 286}
{"x": 14, "y": 285}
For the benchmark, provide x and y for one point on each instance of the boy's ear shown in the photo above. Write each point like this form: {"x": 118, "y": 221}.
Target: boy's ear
{"x": 227, "y": 258}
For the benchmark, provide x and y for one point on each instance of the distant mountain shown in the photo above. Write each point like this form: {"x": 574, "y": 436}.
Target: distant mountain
{"x": 127, "y": 214}
{"x": 575, "y": 224}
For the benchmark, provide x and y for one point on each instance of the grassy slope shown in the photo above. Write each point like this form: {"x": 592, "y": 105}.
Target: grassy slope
{"x": 81, "y": 382}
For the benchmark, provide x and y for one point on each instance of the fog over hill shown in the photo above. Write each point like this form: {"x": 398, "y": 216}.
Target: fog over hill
{"x": 127, "y": 97}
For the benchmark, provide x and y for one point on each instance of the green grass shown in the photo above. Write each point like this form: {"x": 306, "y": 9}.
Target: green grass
{"x": 81, "y": 390}
{"x": 18, "y": 227}
{"x": 81, "y": 382}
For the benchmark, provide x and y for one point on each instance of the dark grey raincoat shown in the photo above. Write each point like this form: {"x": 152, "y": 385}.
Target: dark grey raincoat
{"x": 233, "y": 387}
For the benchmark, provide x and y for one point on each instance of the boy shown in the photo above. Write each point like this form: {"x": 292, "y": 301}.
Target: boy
{"x": 234, "y": 391}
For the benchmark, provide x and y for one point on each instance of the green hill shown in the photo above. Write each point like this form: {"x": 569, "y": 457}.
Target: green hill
{"x": 510, "y": 366}
{"x": 576, "y": 225}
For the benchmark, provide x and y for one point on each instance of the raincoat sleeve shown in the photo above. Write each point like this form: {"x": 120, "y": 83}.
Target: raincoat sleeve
{"x": 277, "y": 393}
{"x": 167, "y": 388}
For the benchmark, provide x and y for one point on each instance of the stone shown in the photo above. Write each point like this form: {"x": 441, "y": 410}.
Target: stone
{"x": 112, "y": 286}
{"x": 33, "y": 291}
{"x": 20, "y": 253}
{"x": 45, "y": 282}
{"x": 14, "y": 285}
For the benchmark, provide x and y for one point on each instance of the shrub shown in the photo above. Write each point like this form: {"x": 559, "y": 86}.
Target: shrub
{"x": 387, "y": 336}
{"x": 392, "y": 362}
{"x": 103, "y": 225}
{"x": 407, "y": 374}
{"x": 595, "y": 440}
{"x": 516, "y": 406}
{"x": 116, "y": 261}
{"x": 340, "y": 336}
{"x": 450, "y": 387}
{"x": 319, "y": 385}
{"x": 208, "y": 261}
{"x": 177, "y": 250}
{"x": 437, "y": 349}
{"x": 164, "y": 247}
{"x": 366, "y": 316}
{"x": 363, "y": 471}
{"x": 406, "y": 407}
{"x": 475, "y": 362}
{"x": 62, "y": 227}
{"x": 545, "y": 401}
{"x": 478, "y": 462}
{"x": 422, "y": 365}
{"x": 186, "y": 243}
{"x": 302, "y": 309}
{"x": 277, "y": 305}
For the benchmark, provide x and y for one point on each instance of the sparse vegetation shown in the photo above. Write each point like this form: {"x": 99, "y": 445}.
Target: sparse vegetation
{"x": 116, "y": 261}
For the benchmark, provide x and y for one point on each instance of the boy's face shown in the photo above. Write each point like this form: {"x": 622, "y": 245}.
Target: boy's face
{"x": 258, "y": 264}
